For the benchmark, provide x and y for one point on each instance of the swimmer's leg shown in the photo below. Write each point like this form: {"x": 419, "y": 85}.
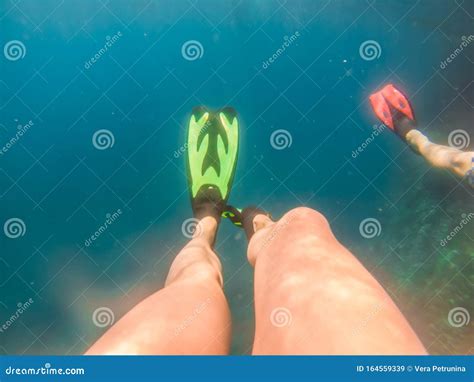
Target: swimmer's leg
{"x": 452, "y": 159}
{"x": 189, "y": 315}
{"x": 394, "y": 110}
{"x": 312, "y": 296}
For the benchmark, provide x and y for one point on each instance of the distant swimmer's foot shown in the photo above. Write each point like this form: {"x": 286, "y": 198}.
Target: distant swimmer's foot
{"x": 245, "y": 218}
{"x": 212, "y": 147}
{"x": 417, "y": 140}
{"x": 394, "y": 110}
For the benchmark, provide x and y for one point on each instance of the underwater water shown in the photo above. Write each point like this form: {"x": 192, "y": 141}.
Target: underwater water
{"x": 102, "y": 90}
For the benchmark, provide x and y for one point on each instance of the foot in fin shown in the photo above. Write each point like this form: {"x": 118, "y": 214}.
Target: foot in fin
{"x": 394, "y": 110}
{"x": 212, "y": 148}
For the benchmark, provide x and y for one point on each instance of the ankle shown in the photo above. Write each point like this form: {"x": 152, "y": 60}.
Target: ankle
{"x": 261, "y": 221}
{"x": 254, "y": 219}
{"x": 417, "y": 140}
{"x": 206, "y": 228}
{"x": 263, "y": 227}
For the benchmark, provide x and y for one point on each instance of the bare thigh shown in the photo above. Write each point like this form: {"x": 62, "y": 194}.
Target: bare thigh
{"x": 189, "y": 315}
{"x": 312, "y": 296}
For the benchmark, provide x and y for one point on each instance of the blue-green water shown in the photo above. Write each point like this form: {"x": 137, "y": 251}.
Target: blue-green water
{"x": 142, "y": 88}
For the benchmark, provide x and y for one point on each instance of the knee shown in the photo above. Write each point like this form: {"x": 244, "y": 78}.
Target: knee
{"x": 298, "y": 233}
{"x": 462, "y": 163}
{"x": 307, "y": 228}
{"x": 306, "y": 217}
{"x": 191, "y": 267}
{"x": 204, "y": 272}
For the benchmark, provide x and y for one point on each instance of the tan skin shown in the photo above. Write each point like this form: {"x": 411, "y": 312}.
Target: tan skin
{"x": 312, "y": 296}
{"x": 452, "y": 159}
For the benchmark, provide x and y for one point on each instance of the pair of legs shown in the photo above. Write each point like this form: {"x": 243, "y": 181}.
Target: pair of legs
{"x": 312, "y": 296}
{"x": 458, "y": 162}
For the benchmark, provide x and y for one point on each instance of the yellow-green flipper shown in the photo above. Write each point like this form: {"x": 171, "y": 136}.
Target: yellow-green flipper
{"x": 212, "y": 148}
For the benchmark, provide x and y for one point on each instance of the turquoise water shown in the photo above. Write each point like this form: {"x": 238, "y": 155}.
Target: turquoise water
{"x": 84, "y": 67}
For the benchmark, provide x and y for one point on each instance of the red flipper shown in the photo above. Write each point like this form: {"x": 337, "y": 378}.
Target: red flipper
{"x": 397, "y": 100}
{"x": 381, "y": 109}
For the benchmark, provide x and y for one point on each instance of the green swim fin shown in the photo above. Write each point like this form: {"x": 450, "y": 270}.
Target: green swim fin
{"x": 212, "y": 150}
